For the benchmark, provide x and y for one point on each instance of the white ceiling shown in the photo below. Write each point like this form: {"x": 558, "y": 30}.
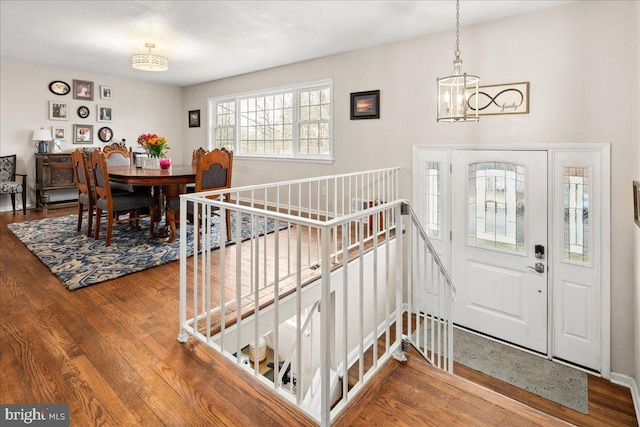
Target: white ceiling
{"x": 209, "y": 40}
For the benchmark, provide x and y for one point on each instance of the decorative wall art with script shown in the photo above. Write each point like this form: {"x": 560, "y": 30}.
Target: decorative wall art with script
{"x": 512, "y": 98}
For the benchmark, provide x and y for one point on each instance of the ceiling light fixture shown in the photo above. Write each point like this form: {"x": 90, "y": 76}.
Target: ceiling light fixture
{"x": 456, "y": 92}
{"x": 149, "y": 61}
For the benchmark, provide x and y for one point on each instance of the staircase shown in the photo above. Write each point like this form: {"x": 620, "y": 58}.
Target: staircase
{"x": 333, "y": 273}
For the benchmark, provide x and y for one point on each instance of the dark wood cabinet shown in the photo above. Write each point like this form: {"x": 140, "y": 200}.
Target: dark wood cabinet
{"x": 53, "y": 172}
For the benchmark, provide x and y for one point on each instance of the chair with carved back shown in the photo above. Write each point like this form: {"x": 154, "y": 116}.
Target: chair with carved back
{"x": 117, "y": 154}
{"x": 117, "y": 204}
{"x": 191, "y": 188}
{"x": 213, "y": 172}
{"x": 118, "y": 148}
{"x": 9, "y": 184}
{"x": 86, "y": 197}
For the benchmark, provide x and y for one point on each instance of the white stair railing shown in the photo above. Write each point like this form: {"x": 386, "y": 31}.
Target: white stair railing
{"x": 316, "y": 270}
{"x": 430, "y": 300}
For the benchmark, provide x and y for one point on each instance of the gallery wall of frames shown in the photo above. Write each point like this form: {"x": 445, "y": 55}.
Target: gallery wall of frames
{"x": 87, "y": 109}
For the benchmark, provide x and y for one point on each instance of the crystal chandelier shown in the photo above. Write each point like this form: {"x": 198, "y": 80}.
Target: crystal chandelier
{"x": 149, "y": 61}
{"x": 458, "y": 93}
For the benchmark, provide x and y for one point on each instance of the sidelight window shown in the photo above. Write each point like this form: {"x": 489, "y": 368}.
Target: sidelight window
{"x": 576, "y": 214}
{"x": 433, "y": 198}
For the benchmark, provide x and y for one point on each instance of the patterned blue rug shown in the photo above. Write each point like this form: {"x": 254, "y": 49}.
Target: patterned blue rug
{"x": 79, "y": 261}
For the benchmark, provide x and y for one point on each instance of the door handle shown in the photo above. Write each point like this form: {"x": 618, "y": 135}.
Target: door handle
{"x": 539, "y": 268}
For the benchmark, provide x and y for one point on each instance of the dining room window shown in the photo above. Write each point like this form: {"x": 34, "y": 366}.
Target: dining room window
{"x": 288, "y": 123}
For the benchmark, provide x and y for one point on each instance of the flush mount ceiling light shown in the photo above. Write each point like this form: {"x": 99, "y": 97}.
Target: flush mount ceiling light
{"x": 149, "y": 61}
{"x": 456, "y": 92}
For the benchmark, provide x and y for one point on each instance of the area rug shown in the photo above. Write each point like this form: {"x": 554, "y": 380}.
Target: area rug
{"x": 553, "y": 381}
{"x": 80, "y": 261}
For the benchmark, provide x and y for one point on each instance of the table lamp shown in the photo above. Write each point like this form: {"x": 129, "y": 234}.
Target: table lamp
{"x": 42, "y": 135}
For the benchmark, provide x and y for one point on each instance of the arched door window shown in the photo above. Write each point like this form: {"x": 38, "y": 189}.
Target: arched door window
{"x": 496, "y": 205}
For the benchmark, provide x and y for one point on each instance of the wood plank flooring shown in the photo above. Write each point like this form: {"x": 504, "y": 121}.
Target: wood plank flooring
{"x": 110, "y": 352}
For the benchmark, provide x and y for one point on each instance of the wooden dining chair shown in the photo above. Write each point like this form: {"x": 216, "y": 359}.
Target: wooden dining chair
{"x": 199, "y": 152}
{"x": 117, "y": 204}
{"x": 117, "y": 154}
{"x": 117, "y": 147}
{"x": 213, "y": 172}
{"x": 86, "y": 196}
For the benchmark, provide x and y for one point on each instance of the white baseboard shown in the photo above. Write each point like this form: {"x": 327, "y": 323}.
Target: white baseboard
{"x": 627, "y": 381}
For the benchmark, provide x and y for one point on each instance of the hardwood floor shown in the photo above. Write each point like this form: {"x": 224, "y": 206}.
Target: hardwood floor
{"x": 110, "y": 352}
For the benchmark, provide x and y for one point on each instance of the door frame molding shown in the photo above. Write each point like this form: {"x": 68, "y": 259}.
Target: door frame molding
{"x": 605, "y": 276}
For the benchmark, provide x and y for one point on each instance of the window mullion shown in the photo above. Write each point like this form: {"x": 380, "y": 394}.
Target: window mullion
{"x": 236, "y": 131}
{"x": 296, "y": 124}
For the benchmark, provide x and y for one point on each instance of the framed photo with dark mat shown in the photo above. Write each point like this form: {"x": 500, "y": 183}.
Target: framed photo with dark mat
{"x": 59, "y": 87}
{"x": 365, "y": 105}
{"x": 194, "y": 118}
{"x": 105, "y": 134}
{"x": 636, "y": 202}
{"x": 83, "y": 111}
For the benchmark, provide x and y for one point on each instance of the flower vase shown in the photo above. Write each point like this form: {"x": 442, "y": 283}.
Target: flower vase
{"x": 151, "y": 163}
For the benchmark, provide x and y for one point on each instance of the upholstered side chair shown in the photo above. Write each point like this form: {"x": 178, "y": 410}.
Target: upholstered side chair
{"x": 8, "y": 183}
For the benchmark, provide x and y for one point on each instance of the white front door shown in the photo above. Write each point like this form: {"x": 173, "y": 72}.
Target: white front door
{"x": 468, "y": 213}
{"x": 499, "y": 220}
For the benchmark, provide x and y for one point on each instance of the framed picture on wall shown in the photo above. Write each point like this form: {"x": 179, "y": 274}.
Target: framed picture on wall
{"x": 365, "y": 105}
{"x": 82, "y": 134}
{"x": 105, "y": 92}
{"x": 83, "y": 89}
{"x": 59, "y": 133}
{"x": 59, "y": 87}
{"x": 58, "y": 110}
{"x": 83, "y": 111}
{"x": 636, "y": 202}
{"x": 105, "y": 113}
{"x": 194, "y": 118}
{"x": 105, "y": 134}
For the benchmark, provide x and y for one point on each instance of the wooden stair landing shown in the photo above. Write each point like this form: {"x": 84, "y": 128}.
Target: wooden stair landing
{"x": 414, "y": 393}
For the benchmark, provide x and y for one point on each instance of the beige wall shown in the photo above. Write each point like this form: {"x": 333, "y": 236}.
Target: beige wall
{"x": 636, "y": 176}
{"x": 138, "y": 107}
{"x": 579, "y": 59}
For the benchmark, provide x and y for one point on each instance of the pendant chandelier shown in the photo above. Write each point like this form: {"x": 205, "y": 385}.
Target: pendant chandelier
{"x": 458, "y": 93}
{"x": 149, "y": 61}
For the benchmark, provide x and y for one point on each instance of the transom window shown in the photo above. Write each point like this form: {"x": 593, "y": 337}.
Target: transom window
{"x": 294, "y": 122}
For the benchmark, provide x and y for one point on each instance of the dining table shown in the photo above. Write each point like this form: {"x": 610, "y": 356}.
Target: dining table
{"x": 165, "y": 184}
